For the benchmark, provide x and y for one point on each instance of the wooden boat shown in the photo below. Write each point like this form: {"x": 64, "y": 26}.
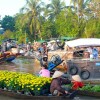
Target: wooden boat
{"x": 92, "y": 81}
{"x": 89, "y": 93}
{"x": 10, "y": 58}
{"x": 26, "y": 57}
{"x": 30, "y": 97}
{"x": 1, "y": 60}
{"x": 3, "y": 57}
{"x": 7, "y": 56}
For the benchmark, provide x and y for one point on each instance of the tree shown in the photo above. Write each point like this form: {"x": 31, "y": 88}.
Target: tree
{"x": 8, "y": 23}
{"x": 48, "y": 30}
{"x": 54, "y": 8}
{"x": 32, "y": 11}
{"x": 94, "y": 7}
{"x": 92, "y": 28}
{"x": 66, "y": 24}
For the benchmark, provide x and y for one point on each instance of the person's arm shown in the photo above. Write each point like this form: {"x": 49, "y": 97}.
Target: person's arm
{"x": 40, "y": 72}
{"x": 60, "y": 89}
{"x": 65, "y": 81}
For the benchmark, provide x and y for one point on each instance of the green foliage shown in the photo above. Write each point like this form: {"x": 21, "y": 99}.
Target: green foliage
{"x": 96, "y": 88}
{"x": 8, "y": 34}
{"x": 89, "y": 87}
{"x": 37, "y": 21}
{"x": 92, "y": 28}
{"x": 66, "y": 25}
{"x": 86, "y": 87}
{"x": 48, "y": 30}
{"x": 8, "y": 23}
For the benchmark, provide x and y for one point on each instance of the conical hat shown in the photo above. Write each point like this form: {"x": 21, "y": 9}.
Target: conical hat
{"x": 76, "y": 78}
{"x": 57, "y": 74}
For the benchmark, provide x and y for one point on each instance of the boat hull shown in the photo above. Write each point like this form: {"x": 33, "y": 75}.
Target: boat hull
{"x": 30, "y": 97}
{"x": 10, "y": 58}
{"x": 89, "y": 93}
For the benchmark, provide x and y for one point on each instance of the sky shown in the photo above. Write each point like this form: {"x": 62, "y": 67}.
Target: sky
{"x": 11, "y": 7}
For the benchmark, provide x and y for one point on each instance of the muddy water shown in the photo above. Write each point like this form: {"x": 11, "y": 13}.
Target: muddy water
{"x": 30, "y": 66}
{"x": 22, "y": 65}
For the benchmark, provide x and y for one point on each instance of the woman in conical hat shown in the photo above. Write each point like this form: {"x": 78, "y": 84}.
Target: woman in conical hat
{"x": 57, "y": 74}
{"x": 56, "y": 88}
{"x": 76, "y": 78}
{"x": 57, "y": 82}
{"x": 77, "y": 82}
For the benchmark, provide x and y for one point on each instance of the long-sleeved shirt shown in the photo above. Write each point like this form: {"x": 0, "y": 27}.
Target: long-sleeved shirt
{"x": 77, "y": 85}
{"x": 57, "y": 83}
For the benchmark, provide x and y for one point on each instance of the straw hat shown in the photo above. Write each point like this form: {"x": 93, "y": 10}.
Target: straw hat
{"x": 57, "y": 74}
{"x": 76, "y": 78}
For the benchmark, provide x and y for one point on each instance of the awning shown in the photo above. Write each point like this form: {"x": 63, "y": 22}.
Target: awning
{"x": 41, "y": 41}
{"x": 66, "y": 38}
{"x": 83, "y": 42}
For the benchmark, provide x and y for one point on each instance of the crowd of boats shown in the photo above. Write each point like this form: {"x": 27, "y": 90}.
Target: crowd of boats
{"x": 78, "y": 54}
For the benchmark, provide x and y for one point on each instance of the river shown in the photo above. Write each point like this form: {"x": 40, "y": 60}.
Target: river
{"x": 31, "y": 66}
{"x": 22, "y": 65}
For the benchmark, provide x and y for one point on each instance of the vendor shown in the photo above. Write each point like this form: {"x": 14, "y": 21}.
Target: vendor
{"x": 56, "y": 88}
{"x": 44, "y": 72}
{"x": 77, "y": 82}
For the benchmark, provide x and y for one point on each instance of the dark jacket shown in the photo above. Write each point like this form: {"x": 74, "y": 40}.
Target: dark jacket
{"x": 56, "y": 84}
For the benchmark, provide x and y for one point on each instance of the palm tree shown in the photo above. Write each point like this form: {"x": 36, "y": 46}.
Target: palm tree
{"x": 95, "y": 8}
{"x": 82, "y": 11}
{"x": 54, "y": 8}
{"x": 32, "y": 11}
{"x": 80, "y": 7}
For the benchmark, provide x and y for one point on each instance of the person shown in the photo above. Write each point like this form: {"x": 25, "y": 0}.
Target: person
{"x": 63, "y": 67}
{"x": 8, "y": 45}
{"x": 45, "y": 48}
{"x": 41, "y": 49}
{"x": 43, "y": 60}
{"x": 44, "y": 72}
{"x": 28, "y": 46}
{"x": 95, "y": 53}
{"x": 90, "y": 52}
{"x": 56, "y": 88}
{"x": 77, "y": 82}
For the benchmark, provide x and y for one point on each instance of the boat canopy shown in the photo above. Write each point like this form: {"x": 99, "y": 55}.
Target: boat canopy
{"x": 83, "y": 42}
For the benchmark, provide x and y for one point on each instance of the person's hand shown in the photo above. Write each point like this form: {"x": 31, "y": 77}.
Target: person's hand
{"x": 73, "y": 81}
{"x": 66, "y": 92}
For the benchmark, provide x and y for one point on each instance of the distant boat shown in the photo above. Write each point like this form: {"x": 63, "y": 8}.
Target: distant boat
{"x": 10, "y": 58}
{"x": 7, "y": 56}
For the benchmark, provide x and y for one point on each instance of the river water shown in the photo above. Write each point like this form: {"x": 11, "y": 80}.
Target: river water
{"x": 22, "y": 65}
{"x": 31, "y": 66}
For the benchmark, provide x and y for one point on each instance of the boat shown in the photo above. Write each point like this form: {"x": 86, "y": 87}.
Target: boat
{"x": 3, "y": 57}
{"x": 26, "y": 57}
{"x": 10, "y": 58}
{"x": 1, "y": 60}
{"x": 54, "y": 62}
{"x": 7, "y": 57}
{"x": 92, "y": 81}
{"x": 79, "y": 60}
{"x": 30, "y": 97}
{"x": 89, "y": 93}
{"x": 45, "y": 97}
